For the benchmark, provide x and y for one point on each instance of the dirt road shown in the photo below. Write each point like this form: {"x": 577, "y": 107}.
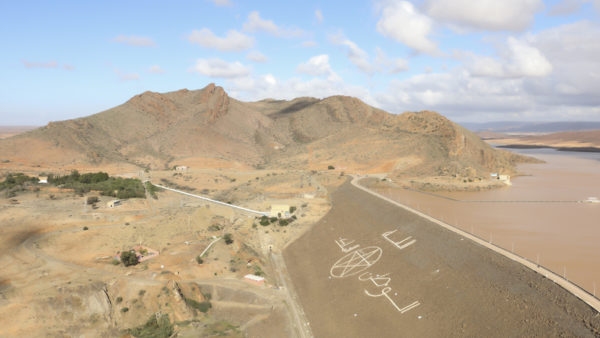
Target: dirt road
{"x": 372, "y": 269}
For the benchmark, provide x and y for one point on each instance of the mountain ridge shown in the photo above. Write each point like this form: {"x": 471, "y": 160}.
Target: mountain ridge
{"x": 155, "y": 130}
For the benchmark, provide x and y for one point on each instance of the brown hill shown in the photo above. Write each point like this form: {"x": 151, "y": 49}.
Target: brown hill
{"x": 158, "y": 130}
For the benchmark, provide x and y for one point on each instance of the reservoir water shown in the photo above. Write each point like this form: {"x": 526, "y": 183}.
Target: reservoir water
{"x": 540, "y": 217}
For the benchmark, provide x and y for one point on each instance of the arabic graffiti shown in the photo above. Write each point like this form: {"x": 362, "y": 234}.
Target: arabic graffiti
{"x": 343, "y": 243}
{"x": 403, "y": 244}
{"x": 357, "y": 261}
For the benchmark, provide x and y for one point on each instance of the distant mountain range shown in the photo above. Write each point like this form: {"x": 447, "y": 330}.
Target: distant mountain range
{"x": 154, "y": 130}
{"x": 531, "y": 127}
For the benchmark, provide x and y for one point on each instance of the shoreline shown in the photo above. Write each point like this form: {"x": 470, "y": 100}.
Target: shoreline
{"x": 567, "y": 285}
{"x": 534, "y": 146}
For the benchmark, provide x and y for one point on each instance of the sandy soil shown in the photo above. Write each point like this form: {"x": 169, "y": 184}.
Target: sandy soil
{"x": 8, "y": 131}
{"x": 446, "y": 285}
{"x": 58, "y": 278}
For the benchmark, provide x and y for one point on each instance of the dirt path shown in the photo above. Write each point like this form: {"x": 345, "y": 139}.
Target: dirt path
{"x": 372, "y": 269}
{"x": 299, "y": 317}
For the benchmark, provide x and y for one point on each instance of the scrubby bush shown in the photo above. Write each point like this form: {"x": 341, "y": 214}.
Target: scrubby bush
{"x": 292, "y": 209}
{"x": 264, "y": 221}
{"x": 228, "y": 239}
{"x": 92, "y": 200}
{"x": 330, "y": 167}
{"x": 200, "y": 306}
{"x": 199, "y": 260}
{"x": 129, "y": 258}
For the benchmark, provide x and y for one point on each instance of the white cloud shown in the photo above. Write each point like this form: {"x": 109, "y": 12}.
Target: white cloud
{"x": 401, "y": 21}
{"x": 520, "y": 60}
{"x": 232, "y": 42}
{"x": 49, "y": 64}
{"x": 319, "y": 16}
{"x": 256, "y": 56}
{"x": 392, "y": 66}
{"x": 156, "y": 69}
{"x": 256, "y": 24}
{"x": 254, "y": 88}
{"x": 134, "y": 40}
{"x": 124, "y": 77}
{"x": 318, "y": 66}
{"x": 222, "y": 3}
{"x": 566, "y": 7}
{"x": 355, "y": 54}
{"x": 494, "y": 15}
{"x": 220, "y": 68}
{"x": 309, "y": 43}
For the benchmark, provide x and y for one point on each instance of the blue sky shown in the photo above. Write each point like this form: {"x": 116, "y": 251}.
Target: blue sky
{"x": 471, "y": 61}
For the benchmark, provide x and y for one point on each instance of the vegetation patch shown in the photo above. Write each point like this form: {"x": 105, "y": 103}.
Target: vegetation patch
{"x": 155, "y": 327}
{"x": 196, "y": 305}
{"x": 129, "y": 258}
{"x": 152, "y": 190}
{"x": 223, "y": 328}
{"x": 108, "y": 186}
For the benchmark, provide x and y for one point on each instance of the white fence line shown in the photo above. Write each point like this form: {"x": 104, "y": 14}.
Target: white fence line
{"x": 263, "y": 213}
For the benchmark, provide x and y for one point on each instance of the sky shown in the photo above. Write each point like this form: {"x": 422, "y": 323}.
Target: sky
{"x": 472, "y": 61}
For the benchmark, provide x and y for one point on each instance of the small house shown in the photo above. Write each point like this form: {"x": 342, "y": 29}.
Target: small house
{"x": 181, "y": 168}
{"x": 254, "y": 279}
{"x": 113, "y": 203}
{"x": 43, "y": 179}
{"x": 280, "y": 210}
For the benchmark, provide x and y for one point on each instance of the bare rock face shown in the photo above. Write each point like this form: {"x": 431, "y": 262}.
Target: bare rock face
{"x": 216, "y": 100}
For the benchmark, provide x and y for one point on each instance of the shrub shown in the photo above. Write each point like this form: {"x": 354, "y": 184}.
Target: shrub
{"x": 125, "y": 309}
{"x": 141, "y": 292}
{"x": 213, "y": 227}
{"x": 129, "y": 258}
{"x": 119, "y": 299}
{"x": 199, "y": 259}
{"x": 264, "y": 221}
{"x": 330, "y": 167}
{"x": 85, "y": 228}
{"x": 200, "y": 306}
{"x": 292, "y": 209}
{"x": 283, "y": 222}
{"x": 228, "y": 239}
{"x": 92, "y": 199}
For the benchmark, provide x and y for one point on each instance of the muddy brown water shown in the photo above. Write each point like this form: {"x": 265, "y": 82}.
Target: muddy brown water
{"x": 440, "y": 285}
{"x": 537, "y": 217}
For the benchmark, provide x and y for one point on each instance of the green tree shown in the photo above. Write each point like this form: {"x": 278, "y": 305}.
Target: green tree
{"x": 228, "y": 239}
{"x": 129, "y": 258}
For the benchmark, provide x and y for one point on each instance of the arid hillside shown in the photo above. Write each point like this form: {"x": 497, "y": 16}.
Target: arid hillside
{"x": 206, "y": 126}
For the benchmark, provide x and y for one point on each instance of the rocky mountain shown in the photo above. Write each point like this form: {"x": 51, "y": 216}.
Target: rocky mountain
{"x": 159, "y": 130}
